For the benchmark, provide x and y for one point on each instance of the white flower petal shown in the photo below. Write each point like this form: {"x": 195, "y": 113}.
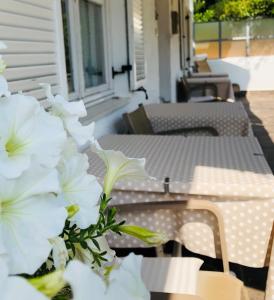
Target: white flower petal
{"x": 62, "y": 107}
{"x": 36, "y": 181}
{"x": 27, "y": 131}
{"x": 30, "y": 215}
{"x": 12, "y": 288}
{"x": 4, "y": 89}
{"x": 86, "y": 257}
{"x": 119, "y": 167}
{"x": 127, "y": 280}
{"x": 59, "y": 252}
{"x": 19, "y": 288}
{"x": 2, "y": 45}
{"x": 81, "y": 189}
{"x": 81, "y": 134}
{"x": 48, "y": 131}
{"x": 85, "y": 283}
{"x": 2, "y": 65}
{"x": 104, "y": 247}
{"x": 70, "y": 108}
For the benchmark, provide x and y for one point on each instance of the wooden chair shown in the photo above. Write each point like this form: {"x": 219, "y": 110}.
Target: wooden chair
{"x": 137, "y": 122}
{"x": 162, "y": 276}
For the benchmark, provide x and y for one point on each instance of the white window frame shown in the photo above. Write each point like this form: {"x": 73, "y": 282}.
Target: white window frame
{"x": 135, "y": 83}
{"x": 93, "y": 94}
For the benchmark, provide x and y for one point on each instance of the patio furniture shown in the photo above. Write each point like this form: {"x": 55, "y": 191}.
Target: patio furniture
{"x": 170, "y": 274}
{"x": 230, "y": 172}
{"x": 228, "y": 119}
{"x": 202, "y": 66}
{"x": 137, "y": 122}
{"x": 205, "y": 91}
{"x": 207, "y": 75}
{"x": 221, "y": 87}
{"x": 203, "y": 70}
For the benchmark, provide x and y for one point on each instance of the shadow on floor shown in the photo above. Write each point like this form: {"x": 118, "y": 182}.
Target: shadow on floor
{"x": 260, "y": 108}
{"x": 255, "y": 278}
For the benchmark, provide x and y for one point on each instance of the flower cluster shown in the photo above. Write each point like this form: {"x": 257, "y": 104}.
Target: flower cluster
{"x": 54, "y": 215}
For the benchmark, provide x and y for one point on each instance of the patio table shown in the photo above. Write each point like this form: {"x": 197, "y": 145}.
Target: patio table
{"x": 231, "y": 172}
{"x": 229, "y": 119}
{"x": 223, "y": 85}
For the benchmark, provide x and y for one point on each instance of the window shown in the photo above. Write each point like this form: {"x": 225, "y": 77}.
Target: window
{"x": 137, "y": 41}
{"x": 86, "y": 44}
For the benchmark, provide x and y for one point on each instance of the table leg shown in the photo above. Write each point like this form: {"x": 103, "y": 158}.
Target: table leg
{"x": 269, "y": 295}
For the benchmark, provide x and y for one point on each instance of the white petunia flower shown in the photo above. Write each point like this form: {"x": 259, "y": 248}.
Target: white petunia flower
{"x": 13, "y": 287}
{"x": 124, "y": 283}
{"x": 30, "y": 214}
{"x": 86, "y": 257}
{"x": 85, "y": 283}
{"x": 79, "y": 188}
{"x": 2, "y": 65}
{"x": 27, "y": 132}
{"x": 70, "y": 112}
{"x": 59, "y": 253}
{"x": 4, "y": 89}
{"x": 2, "y": 45}
{"x": 119, "y": 167}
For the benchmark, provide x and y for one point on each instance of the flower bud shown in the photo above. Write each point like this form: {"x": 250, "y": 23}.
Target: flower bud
{"x": 49, "y": 285}
{"x": 149, "y": 237}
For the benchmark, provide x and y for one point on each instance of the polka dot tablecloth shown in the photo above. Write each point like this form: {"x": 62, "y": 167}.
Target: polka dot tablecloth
{"x": 229, "y": 171}
{"x": 229, "y": 119}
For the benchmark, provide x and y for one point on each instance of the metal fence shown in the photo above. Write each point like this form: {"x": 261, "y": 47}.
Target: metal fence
{"x": 235, "y": 38}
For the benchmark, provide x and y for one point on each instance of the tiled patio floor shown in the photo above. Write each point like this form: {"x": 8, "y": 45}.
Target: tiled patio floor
{"x": 260, "y": 106}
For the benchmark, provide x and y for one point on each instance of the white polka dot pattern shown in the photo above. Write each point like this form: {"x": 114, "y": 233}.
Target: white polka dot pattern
{"x": 248, "y": 226}
{"x": 229, "y": 119}
{"x": 221, "y": 166}
{"x": 230, "y": 171}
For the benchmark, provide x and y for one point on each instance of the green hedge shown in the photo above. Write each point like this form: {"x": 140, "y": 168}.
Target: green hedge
{"x": 226, "y": 10}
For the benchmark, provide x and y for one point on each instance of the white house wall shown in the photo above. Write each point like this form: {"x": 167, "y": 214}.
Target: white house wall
{"x": 175, "y": 57}
{"x": 31, "y": 30}
{"x": 112, "y": 123}
{"x": 169, "y": 49}
{"x": 251, "y": 73}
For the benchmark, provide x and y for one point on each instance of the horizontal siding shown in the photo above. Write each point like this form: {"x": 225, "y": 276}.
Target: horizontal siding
{"x": 20, "y": 60}
{"x": 40, "y": 93}
{"x": 23, "y": 34}
{"x": 10, "y": 19}
{"x": 21, "y": 47}
{"x": 27, "y": 27}
{"x": 20, "y": 73}
{"x": 43, "y": 4}
{"x": 28, "y": 85}
{"x": 26, "y": 9}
